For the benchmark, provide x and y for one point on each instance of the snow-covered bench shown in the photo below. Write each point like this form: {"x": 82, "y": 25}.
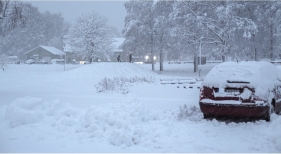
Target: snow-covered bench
{"x": 182, "y": 80}
{"x": 168, "y": 81}
{"x": 186, "y": 80}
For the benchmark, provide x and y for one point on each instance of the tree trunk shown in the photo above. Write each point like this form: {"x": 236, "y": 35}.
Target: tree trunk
{"x": 152, "y": 53}
{"x": 255, "y": 49}
{"x": 271, "y": 42}
{"x": 161, "y": 53}
{"x": 224, "y": 51}
{"x": 195, "y": 63}
{"x": 256, "y": 55}
{"x": 153, "y": 67}
{"x": 223, "y": 58}
{"x": 161, "y": 60}
{"x": 152, "y": 61}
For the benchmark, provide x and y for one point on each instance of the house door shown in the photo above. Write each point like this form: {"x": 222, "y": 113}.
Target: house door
{"x": 36, "y": 58}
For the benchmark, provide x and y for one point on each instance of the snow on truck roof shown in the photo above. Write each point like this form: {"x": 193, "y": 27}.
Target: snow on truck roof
{"x": 255, "y": 74}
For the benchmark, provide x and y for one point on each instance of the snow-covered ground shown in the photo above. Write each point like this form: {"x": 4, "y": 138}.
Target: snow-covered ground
{"x": 44, "y": 109}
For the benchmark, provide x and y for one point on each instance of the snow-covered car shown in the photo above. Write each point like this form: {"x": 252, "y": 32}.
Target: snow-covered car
{"x": 86, "y": 62}
{"x": 17, "y": 62}
{"x": 42, "y": 61}
{"x": 57, "y": 61}
{"x": 244, "y": 89}
{"x": 30, "y": 61}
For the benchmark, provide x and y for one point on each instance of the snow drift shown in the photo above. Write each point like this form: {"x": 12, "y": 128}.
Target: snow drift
{"x": 30, "y": 110}
{"x": 101, "y": 70}
{"x": 124, "y": 124}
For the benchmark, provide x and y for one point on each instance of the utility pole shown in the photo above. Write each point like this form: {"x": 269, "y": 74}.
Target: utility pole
{"x": 64, "y": 61}
{"x": 200, "y": 56}
{"x": 65, "y": 51}
{"x": 152, "y": 52}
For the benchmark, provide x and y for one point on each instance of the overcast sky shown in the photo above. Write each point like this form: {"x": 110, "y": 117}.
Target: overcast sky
{"x": 114, "y": 11}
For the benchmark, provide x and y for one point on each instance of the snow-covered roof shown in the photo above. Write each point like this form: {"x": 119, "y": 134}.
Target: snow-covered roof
{"x": 53, "y": 50}
{"x": 259, "y": 75}
{"x": 117, "y": 43}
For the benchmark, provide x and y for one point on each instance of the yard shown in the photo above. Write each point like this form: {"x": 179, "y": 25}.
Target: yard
{"x": 46, "y": 109}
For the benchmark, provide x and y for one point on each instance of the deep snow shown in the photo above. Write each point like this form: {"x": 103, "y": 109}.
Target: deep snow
{"x": 43, "y": 109}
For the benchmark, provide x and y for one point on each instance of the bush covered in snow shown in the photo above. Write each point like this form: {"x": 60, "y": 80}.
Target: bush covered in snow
{"x": 192, "y": 113}
{"x": 121, "y": 84}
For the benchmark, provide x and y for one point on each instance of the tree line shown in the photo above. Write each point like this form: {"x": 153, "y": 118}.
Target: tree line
{"x": 170, "y": 30}
{"x": 180, "y": 30}
{"x": 23, "y": 27}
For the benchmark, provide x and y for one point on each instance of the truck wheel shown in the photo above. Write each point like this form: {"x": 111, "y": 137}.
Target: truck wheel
{"x": 267, "y": 117}
{"x": 206, "y": 116}
{"x": 273, "y": 106}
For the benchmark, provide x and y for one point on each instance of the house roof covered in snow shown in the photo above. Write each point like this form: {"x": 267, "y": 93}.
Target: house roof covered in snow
{"x": 52, "y": 50}
{"x": 12, "y": 57}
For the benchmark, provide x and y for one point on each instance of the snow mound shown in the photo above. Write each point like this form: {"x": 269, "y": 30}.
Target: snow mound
{"x": 130, "y": 124}
{"x": 25, "y": 111}
{"x": 275, "y": 128}
{"x": 121, "y": 123}
{"x": 101, "y": 70}
{"x": 30, "y": 110}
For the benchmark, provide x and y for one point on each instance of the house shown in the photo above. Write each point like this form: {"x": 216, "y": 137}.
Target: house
{"x": 45, "y": 52}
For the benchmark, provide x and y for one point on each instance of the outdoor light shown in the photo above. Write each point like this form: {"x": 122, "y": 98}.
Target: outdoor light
{"x": 154, "y": 57}
{"x": 146, "y": 57}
